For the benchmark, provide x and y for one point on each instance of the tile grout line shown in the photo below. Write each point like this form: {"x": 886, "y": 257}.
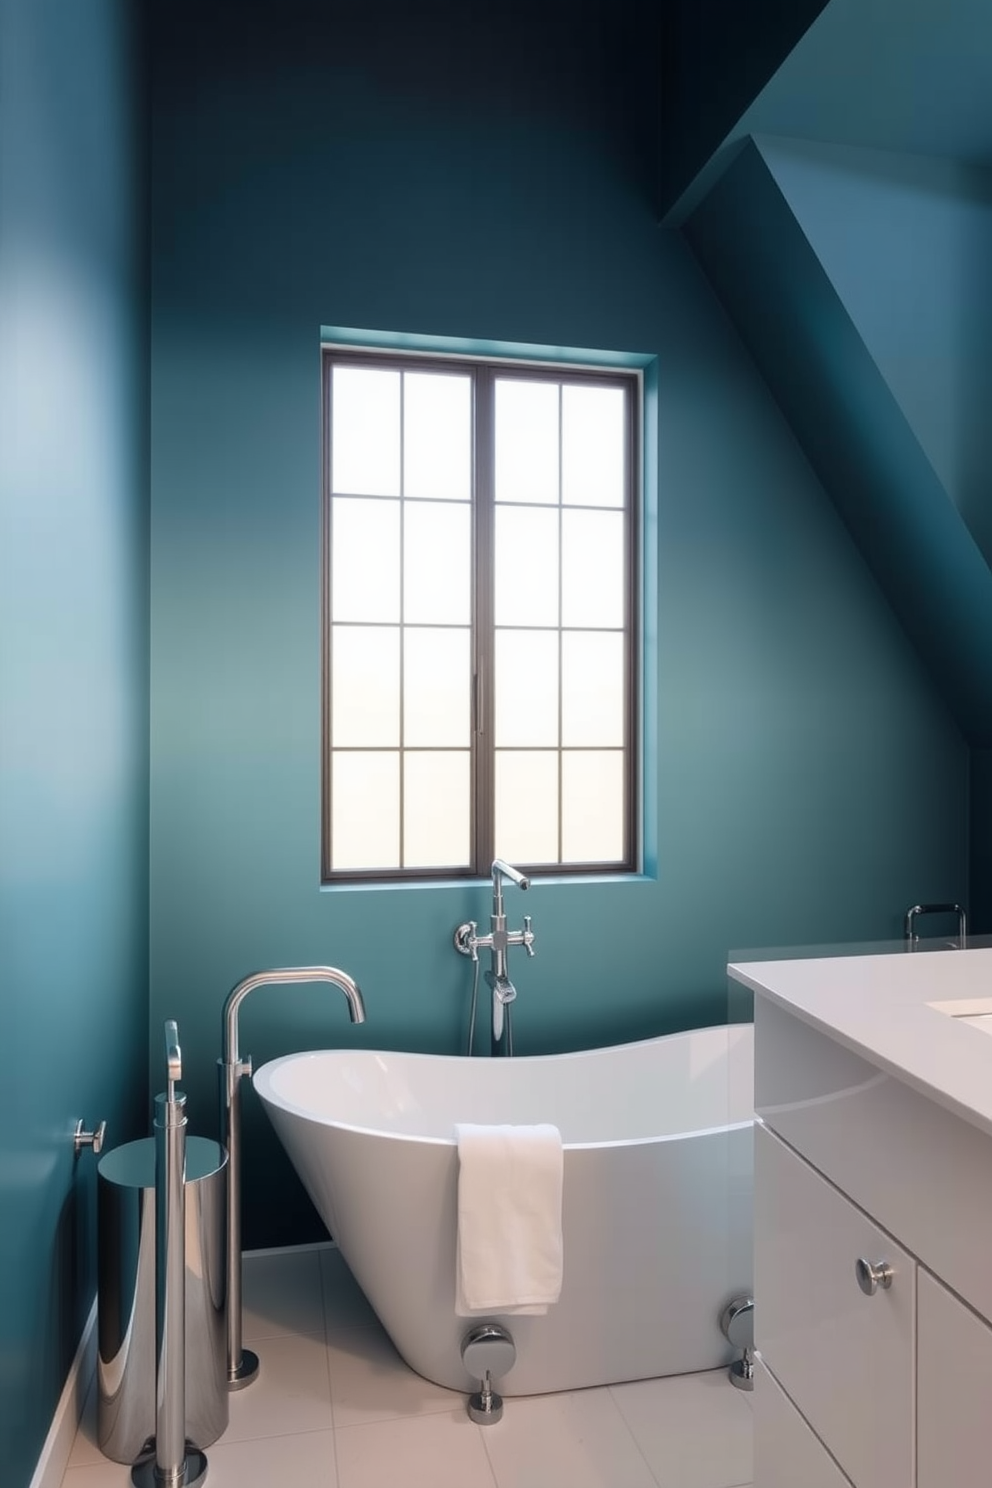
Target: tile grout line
{"x": 327, "y": 1366}
{"x": 633, "y": 1436}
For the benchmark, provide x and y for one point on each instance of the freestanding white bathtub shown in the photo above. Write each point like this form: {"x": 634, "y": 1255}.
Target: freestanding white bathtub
{"x": 656, "y": 1207}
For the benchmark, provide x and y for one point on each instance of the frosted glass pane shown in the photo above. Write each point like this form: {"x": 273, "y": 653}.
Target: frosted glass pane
{"x": 527, "y": 806}
{"x": 436, "y": 810}
{"x": 592, "y": 806}
{"x": 593, "y": 579}
{"x": 592, "y": 446}
{"x": 365, "y": 686}
{"x": 526, "y": 441}
{"x": 437, "y": 557}
{"x": 365, "y": 432}
{"x": 592, "y": 688}
{"x": 437, "y": 688}
{"x": 526, "y": 566}
{"x": 437, "y": 436}
{"x": 526, "y": 688}
{"x": 365, "y": 811}
{"x": 365, "y": 560}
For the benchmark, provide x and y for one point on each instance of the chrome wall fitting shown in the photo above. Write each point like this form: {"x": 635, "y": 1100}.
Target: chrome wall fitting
{"x": 909, "y": 923}
{"x": 737, "y": 1325}
{"x": 94, "y": 1139}
{"x": 242, "y": 1364}
{"x": 488, "y": 1352}
{"x": 498, "y": 941}
{"x": 174, "y": 1462}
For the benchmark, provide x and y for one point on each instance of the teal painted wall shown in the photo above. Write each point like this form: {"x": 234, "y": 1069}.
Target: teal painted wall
{"x": 855, "y": 434}
{"x": 906, "y": 242}
{"x": 981, "y": 841}
{"x": 73, "y": 671}
{"x": 482, "y": 177}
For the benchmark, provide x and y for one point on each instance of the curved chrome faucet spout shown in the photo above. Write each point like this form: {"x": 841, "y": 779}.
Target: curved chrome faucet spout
{"x": 242, "y": 1364}
{"x": 508, "y": 871}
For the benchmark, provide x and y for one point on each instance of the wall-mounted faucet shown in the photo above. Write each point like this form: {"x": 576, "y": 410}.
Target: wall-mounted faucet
{"x": 242, "y": 1364}
{"x": 909, "y": 923}
{"x": 498, "y": 941}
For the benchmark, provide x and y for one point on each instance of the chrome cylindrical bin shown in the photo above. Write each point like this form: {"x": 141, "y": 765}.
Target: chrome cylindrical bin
{"x": 126, "y": 1296}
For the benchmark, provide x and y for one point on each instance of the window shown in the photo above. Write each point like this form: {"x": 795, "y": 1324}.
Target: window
{"x": 479, "y": 601}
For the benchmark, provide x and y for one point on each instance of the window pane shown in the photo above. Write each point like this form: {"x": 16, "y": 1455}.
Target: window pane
{"x": 437, "y": 555}
{"x": 526, "y": 567}
{"x": 436, "y": 809}
{"x": 526, "y": 441}
{"x": 592, "y": 446}
{"x": 592, "y": 688}
{"x": 437, "y": 688}
{"x": 365, "y": 810}
{"x": 365, "y": 438}
{"x": 592, "y": 806}
{"x": 365, "y": 560}
{"x": 365, "y": 686}
{"x": 527, "y": 806}
{"x": 593, "y": 570}
{"x": 437, "y": 436}
{"x": 526, "y": 688}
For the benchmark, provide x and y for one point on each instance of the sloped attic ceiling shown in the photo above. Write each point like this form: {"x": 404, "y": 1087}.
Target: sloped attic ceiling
{"x": 856, "y": 266}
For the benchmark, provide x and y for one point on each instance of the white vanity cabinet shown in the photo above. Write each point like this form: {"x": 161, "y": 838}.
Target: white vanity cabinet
{"x": 954, "y": 1406}
{"x": 846, "y": 1358}
{"x": 878, "y": 1376}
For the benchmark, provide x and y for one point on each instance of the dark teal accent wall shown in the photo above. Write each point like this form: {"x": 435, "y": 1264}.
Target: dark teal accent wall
{"x": 852, "y": 427}
{"x": 715, "y": 58}
{"x": 980, "y": 874}
{"x": 480, "y": 176}
{"x": 73, "y": 670}
{"x": 906, "y": 242}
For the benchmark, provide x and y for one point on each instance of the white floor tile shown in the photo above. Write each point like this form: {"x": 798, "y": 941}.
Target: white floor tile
{"x": 282, "y": 1294}
{"x": 370, "y": 1382}
{"x": 292, "y": 1392}
{"x": 444, "y": 1451}
{"x": 306, "y": 1461}
{"x": 345, "y": 1304}
{"x": 574, "y": 1440}
{"x": 103, "y": 1474}
{"x": 695, "y": 1430}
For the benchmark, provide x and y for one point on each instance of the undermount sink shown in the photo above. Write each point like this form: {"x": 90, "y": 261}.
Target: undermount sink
{"x": 975, "y": 1011}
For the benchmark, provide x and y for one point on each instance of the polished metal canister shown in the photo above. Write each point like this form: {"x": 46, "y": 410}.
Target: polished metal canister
{"x": 126, "y": 1221}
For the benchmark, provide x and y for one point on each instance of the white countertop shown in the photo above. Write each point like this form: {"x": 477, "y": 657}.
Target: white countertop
{"x": 879, "y": 1006}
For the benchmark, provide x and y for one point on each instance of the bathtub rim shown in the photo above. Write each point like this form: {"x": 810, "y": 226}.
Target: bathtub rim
{"x": 306, "y": 1113}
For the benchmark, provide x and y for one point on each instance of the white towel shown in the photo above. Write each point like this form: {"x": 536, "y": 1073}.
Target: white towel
{"x": 509, "y": 1219}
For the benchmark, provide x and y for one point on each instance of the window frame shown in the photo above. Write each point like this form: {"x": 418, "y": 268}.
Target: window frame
{"x": 484, "y": 371}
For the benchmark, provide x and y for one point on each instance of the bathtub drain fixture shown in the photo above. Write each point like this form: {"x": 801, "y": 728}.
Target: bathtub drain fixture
{"x": 488, "y": 1352}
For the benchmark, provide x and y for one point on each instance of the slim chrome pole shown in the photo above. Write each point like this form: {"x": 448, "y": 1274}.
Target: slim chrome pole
{"x": 175, "y": 1463}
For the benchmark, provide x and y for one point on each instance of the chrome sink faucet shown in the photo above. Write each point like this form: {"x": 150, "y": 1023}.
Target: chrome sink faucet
{"x": 498, "y": 942}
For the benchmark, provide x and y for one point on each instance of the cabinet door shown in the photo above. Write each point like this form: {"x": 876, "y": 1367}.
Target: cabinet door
{"x": 846, "y": 1359}
{"x": 954, "y": 1403}
{"x": 786, "y": 1453}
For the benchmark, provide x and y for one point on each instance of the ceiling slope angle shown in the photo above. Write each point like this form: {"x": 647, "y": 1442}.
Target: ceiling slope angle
{"x": 826, "y": 306}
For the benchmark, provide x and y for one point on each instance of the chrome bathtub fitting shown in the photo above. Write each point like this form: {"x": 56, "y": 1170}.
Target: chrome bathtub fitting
{"x": 909, "y": 932}
{"x": 737, "y": 1324}
{"x": 242, "y": 1364}
{"x": 498, "y": 942}
{"x": 488, "y": 1352}
{"x": 170, "y": 1461}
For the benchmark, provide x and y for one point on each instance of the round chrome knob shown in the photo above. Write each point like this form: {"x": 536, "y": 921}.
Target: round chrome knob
{"x": 872, "y": 1275}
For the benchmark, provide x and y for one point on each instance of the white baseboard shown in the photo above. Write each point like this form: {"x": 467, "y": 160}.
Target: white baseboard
{"x": 65, "y": 1422}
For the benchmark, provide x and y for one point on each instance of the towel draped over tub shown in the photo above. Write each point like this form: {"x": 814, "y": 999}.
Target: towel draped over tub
{"x": 509, "y": 1219}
